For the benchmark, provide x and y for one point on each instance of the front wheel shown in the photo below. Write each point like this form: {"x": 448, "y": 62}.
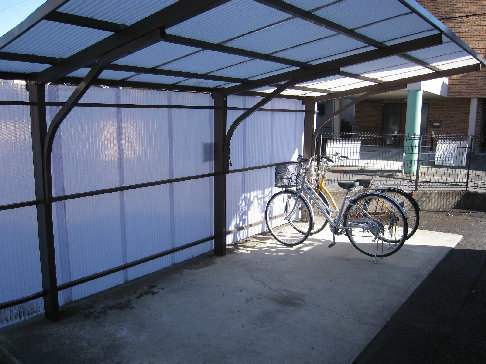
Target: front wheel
{"x": 375, "y": 224}
{"x": 289, "y": 217}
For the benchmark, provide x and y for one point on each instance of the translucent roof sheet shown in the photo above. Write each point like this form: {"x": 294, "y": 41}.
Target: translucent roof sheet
{"x": 235, "y": 45}
{"x": 338, "y": 12}
{"x": 116, "y": 11}
{"x": 55, "y": 40}
{"x": 321, "y": 48}
{"x": 281, "y": 36}
{"x": 21, "y": 67}
{"x": 397, "y": 27}
{"x": 204, "y": 62}
{"x": 249, "y": 69}
{"x": 227, "y": 21}
{"x": 157, "y": 54}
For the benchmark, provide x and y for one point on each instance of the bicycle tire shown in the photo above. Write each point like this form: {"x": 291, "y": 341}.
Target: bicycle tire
{"x": 293, "y": 229}
{"x": 320, "y": 221}
{"x": 409, "y": 203}
{"x": 377, "y": 225}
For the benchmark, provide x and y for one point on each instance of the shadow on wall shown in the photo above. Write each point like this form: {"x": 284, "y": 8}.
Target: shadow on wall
{"x": 446, "y": 200}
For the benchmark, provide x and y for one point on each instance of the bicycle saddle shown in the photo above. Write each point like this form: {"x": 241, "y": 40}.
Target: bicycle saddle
{"x": 348, "y": 185}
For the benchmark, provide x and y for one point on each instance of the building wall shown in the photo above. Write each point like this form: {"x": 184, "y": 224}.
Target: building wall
{"x": 467, "y": 19}
{"x": 452, "y": 112}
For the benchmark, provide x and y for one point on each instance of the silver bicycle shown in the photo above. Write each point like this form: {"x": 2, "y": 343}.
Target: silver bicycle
{"x": 374, "y": 222}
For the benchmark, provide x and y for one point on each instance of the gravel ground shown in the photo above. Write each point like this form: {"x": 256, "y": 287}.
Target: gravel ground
{"x": 444, "y": 320}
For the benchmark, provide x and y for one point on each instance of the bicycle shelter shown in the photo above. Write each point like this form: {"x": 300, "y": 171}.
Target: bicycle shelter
{"x": 306, "y": 51}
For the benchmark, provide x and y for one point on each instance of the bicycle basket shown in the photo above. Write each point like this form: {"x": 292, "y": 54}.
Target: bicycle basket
{"x": 286, "y": 175}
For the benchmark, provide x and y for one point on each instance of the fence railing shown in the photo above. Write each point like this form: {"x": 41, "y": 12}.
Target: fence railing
{"x": 425, "y": 162}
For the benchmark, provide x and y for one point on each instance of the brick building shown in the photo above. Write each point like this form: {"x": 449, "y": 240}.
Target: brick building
{"x": 460, "y": 107}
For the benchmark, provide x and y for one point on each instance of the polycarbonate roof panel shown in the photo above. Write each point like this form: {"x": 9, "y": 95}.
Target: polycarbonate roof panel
{"x": 339, "y": 83}
{"x": 281, "y": 36}
{"x": 157, "y": 54}
{"x": 321, "y": 48}
{"x": 367, "y": 10}
{"x": 366, "y": 68}
{"x": 398, "y": 72}
{"x": 272, "y": 73}
{"x": 227, "y": 21}
{"x": 116, "y": 11}
{"x": 115, "y": 75}
{"x": 21, "y": 67}
{"x": 249, "y": 69}
{"x": 204, "y": 62}
{"x": 310, "y": 4}
{"x": 411, "y": 37}
{"x": 55, "y": 40}
{"x": 446, "y": 63}
{"x": 397, "y": 27}
{"x": 156, "y": 79}
{"x": 448, "y": 48}
{"x": 342, "y": 55}
{"x": 202, "y": 83}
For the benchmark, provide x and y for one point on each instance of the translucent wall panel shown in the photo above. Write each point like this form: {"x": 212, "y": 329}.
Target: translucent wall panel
{"x": 20, "y": 270}
{"x": 149, "y": 228}
{"x": 193, "y": 216}
{"x": 266, "y": 136}
{"x": 88, "y": 240}
{"x": 248, "y": 194}
{"x": 16, "y": 160}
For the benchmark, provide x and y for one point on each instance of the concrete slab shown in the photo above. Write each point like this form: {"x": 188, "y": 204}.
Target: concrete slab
{"x": 262, "y": 303}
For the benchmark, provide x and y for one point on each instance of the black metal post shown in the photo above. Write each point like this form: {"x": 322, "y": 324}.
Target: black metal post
{"x": 221, "y": 167}
{"x": 469, "y": 157}
{"x": 44, "y": 209}
{"x": 419, "y": 154}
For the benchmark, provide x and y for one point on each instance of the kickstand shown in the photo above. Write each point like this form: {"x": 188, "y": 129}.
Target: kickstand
{"x": 376, "y": 258}
{"x": 333, "y": 241}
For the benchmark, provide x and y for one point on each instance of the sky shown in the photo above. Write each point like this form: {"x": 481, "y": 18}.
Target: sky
{"x": 12, "y": 12}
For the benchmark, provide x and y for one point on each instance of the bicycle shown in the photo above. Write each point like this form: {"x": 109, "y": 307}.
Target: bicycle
{"x": 374, "y": 222}
{"x": 406, "y": 199}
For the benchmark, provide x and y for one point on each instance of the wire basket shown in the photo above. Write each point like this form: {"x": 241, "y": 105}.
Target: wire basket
{"x": 286, "y": 175}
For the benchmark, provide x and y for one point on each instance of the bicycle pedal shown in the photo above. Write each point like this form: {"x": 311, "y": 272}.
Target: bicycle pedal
{"x": 331, "y": 245}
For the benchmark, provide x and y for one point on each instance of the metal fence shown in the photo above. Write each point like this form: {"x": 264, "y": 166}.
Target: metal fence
{"x": 414, "y": 162}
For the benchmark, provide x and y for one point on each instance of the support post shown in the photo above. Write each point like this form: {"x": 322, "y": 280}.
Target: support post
{"x": 309, "y": 126}
{"x": 44, "y": 208}
{"x": 412, "y": 131}
{"x": 336, "y": 121}
{"x": 221, "y": 167}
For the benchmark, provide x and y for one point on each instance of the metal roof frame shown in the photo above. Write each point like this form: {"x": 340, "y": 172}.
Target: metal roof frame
{"x": 152, "y": 29}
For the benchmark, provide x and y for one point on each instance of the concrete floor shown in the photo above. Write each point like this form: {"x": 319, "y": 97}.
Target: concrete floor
{"x": 262, "y": 303}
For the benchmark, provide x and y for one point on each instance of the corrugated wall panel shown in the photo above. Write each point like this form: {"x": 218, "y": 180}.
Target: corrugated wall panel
{"x": 266, "y": 137}
{"x": 20, "y": 270}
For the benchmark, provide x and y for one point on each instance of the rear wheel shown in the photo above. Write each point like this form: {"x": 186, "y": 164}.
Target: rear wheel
{"x": 289, "y": 217}
{"x": 410, "y": 204}
{"x": 376, "y": 225}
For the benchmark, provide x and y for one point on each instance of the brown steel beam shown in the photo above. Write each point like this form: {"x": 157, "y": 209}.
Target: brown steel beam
{"x": 313, "y": 71}
{"x": 82, "y": 21}
{"x": 173, "y": 14}
{"x": 44, "y": 207}
{"x": 221, "y": 167}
